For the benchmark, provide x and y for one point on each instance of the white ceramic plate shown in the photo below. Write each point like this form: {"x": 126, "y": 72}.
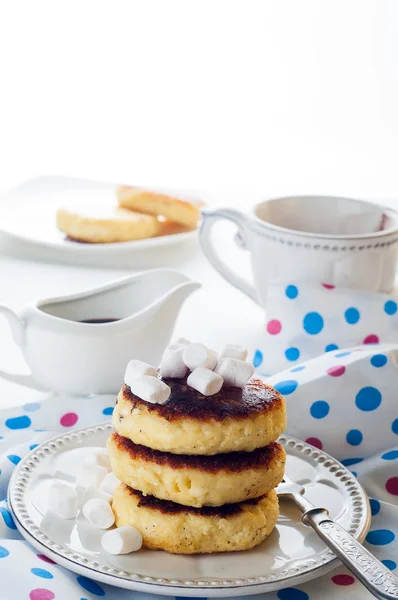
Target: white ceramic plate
{"x": 291, "y": 555}
{"x": 27, "y": 214}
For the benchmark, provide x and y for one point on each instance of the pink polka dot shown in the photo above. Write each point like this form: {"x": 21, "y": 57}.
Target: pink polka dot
{"x": 314, "y": 442}
{"x": 46, "y": 559}
{"x": 328, "y": 286}
{"x": 371, "y": 339}
{"x": 41, "y": 594}
{"x": 392, "y": 486}
{"x": 274, "y": 326}
{"x": 69, "y": 419}
{"x": 336, "y": 371}
{"x": 343, "y": 579}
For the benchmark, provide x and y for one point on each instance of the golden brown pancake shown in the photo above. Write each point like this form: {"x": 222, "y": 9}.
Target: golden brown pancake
{"x": 232, "y": 420}
{"x": 174, "y": 209}
{"x": 199, "y": 480}
{"x": 108, "y": 226}
{"x": 186, "y": 530}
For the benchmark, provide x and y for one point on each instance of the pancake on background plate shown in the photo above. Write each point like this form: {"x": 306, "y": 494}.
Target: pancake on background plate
{"x": 177, "y": 210}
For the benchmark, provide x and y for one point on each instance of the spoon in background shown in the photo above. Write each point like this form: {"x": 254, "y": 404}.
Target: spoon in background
{"x": 377, "y": 578}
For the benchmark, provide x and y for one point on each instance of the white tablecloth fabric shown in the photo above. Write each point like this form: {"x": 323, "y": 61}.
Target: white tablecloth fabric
{"x": 345, "y": 401}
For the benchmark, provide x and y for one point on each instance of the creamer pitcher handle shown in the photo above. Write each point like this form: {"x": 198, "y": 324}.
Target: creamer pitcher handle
{"x": 244, "y": 230}
{"x": 18, "y": 333}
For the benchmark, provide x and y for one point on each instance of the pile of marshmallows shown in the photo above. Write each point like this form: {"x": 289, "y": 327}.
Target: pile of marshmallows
{"x": 92, "y": 493}
{"x": 208, "y": 370}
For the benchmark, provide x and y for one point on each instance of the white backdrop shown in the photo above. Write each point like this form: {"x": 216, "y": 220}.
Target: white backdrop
{"x": 281, "y": 96}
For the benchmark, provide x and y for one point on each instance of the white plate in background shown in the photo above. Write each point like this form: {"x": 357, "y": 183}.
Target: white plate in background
{"x": 291, "y": 555}
{"x": 27, "y": 215}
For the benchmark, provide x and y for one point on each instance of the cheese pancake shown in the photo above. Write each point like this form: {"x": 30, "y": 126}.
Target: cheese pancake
{"x": 185, "y": 530}
{"x": 233, "y": 420}
{"x": 113, "y": 225}
{"x": 174, "y": 209}
{"x": 197, "y": 480}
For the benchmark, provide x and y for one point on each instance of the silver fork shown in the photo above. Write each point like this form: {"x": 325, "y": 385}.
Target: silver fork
{"x": 371, "y": 572}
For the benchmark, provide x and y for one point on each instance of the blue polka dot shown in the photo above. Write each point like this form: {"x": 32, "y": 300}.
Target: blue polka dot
{"x": 18, "y": 422}
{"x": 354, "y": 437}
{"x": 352, "y": 315}
{"x": 1, "y": 437}
{"x": 390, "y": 307}
{"x": 394, "y": 426}
{"x": 291, "y": 292}
{"x": 33, "y": 446}
{"x": 42, "y": 573}
{"x": 300, "y": 368}
{"x": 108, "y": 410}
{"x": 380, "y": 537}
{"x": 354, "y": 473}
{"x": 331, "y": 347}
{"x": 90, "y": 586}
{"x": 3, "y": 552}
{"x": 319, "y": 409}
{"x": 347, "y": 462}
{"x": 257, "y": 358}
{"x": 368, "y": 398}
{"x": 8, "y": 520}
{"x": 286, "y": 387}
{"x": 392, "y": 455}
{"x": 378, "y": 360}
{"x": 390, "y": 564}
{"x": 14, "y": 458}
{"x": 341, "y": 354}
{"x": 292, "y": 353}
{"x": 32, "y": 406}
{"x": 292, "y": 594}
{"x": 374, "y": 506}
{"x": 313, "y": 323}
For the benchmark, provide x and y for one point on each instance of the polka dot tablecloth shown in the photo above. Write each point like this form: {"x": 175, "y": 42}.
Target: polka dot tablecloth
{"x": 344, "y": 401}
{"x": 305, "y": 321}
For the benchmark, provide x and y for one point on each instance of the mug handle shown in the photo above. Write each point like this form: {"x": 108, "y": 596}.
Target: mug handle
{"x": 242, "y": 239}
{"x": 18, "y": 333}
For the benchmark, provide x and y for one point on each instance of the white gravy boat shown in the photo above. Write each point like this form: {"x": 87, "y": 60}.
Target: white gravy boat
{"x": 70, "y": 356}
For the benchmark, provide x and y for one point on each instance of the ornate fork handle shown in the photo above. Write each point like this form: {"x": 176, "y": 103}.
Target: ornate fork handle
{"x": 371, "y": 572}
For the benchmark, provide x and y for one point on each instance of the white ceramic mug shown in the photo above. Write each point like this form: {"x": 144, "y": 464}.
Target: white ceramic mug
{"x": 67, "y": 352}
{"x": 320, "y": 239}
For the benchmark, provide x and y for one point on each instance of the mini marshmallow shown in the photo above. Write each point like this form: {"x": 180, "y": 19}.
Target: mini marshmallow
{"x": 122, "y": 540}
{"x": 183, "y": 342}
{"x": 98, "y": 513}
{"x": 205, "y": 381}
{"x": 151, "y": 389}
{"x": 172, "y": 364}
{"x": 91, "y": 492}
{"x": 235, "y": 373}
{"x": 91, "y": 476}
{"x": 62, "y": 500}
{"x": 212, "y": 360}
{"x": 109, "y": 484}
{"x": 234, "y": 351}
{"x": 196, "y": 355}
{"x": 136, "y": 369}
{"x": 98, "y": 457}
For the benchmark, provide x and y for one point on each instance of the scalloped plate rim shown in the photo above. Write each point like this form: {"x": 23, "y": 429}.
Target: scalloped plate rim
{"x": 167, "y": 587}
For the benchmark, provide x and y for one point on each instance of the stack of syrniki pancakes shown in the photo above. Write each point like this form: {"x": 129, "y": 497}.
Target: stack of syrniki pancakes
{"x": 198, "y": 472}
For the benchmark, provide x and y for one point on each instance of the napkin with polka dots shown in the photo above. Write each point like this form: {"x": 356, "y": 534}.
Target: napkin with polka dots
{"x": 304, "y": 321}
{"x": 344, "y": 401}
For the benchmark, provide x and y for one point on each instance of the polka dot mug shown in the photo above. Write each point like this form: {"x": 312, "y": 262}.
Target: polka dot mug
{"x": 317, "y": 239}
